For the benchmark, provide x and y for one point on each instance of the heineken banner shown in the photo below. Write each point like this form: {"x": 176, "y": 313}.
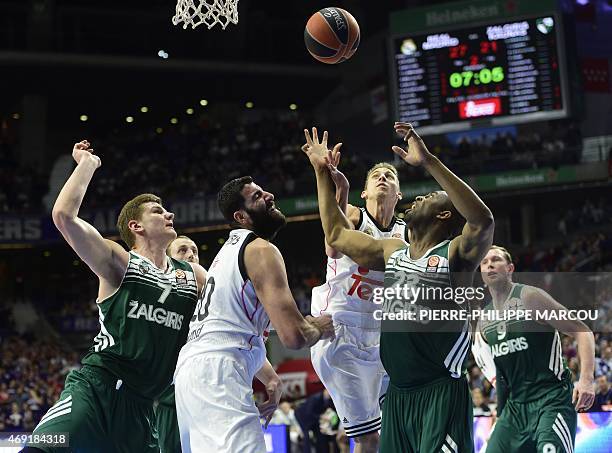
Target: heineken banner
{"x": 449, "y": 15}
{"x": 200, "y": 212}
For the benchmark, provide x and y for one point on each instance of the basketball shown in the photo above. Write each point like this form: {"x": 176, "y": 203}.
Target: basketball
{"x": 332, "y": 35}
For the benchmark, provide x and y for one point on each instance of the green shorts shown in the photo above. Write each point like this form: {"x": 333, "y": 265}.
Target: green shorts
{"x": 98, "y": 416}
{"x": 167, "y": 429}
{"x": 547, "y": 426}
{"x": 436, "y": 417}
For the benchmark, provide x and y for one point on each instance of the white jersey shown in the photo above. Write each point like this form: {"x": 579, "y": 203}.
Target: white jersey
{"x": 228, "y": 314}
{"x": 348, "y": 290}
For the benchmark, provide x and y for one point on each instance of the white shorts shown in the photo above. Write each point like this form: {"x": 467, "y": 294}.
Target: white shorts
{"x": 215, "y": 406}
{"x": 352, "y": 373}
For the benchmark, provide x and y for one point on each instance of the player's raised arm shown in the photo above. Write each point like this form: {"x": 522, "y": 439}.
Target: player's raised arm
{"x": 361, "y": 248}
{"x": 266, "y": 270}
{"x": 342, "y": 194}
{"x": 584, "y": 390}
{"x": 477, "y": 235}
{"x": 106, "y": 258}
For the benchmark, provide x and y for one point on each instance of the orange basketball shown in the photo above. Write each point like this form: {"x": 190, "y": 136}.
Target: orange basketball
{"x": 332, "y": 35}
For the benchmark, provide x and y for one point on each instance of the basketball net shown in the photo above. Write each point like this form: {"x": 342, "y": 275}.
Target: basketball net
{"x": 209, "y": 12}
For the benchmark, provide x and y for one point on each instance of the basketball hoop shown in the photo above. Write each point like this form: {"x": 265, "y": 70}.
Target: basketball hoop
{"x": 209, "y": 12}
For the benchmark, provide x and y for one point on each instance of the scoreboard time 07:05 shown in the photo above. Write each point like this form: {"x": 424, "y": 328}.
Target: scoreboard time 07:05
{"x": 508, "y": 71}
{"x": 484, "y": 76}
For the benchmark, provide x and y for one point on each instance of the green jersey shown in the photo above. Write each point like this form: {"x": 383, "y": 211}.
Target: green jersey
{"x": 526, "y": 353}
{"x": 167, "y": 397}
{"x": 415, "y": 353}
{"x": 144, "y": 324}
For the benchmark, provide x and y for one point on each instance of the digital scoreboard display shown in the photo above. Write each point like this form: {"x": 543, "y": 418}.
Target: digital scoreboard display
{"x": 503, "y": 72}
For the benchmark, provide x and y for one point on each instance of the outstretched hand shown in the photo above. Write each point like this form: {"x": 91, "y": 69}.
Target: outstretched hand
{"x": 333, "y": 159}
{"x": 315, "y": 150}
{"x": 416, "y": 153}
{"x": 82, "y": 150}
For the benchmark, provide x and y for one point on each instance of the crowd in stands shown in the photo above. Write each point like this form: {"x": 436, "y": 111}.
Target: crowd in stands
{"x": 589, "y": 252}
{"x": 21, "y": 186}
{"x": 588, "y": 215}
{"x": 504, "y": 151}
{"x": 32, "y": 373}
{"x": 177, "y": 162}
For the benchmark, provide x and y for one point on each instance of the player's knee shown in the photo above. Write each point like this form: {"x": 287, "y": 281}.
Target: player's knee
{"x": 369, "y": 440}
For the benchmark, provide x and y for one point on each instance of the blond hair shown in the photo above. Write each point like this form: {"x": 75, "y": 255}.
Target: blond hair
{"x": 376, "y": 167}
{"x": 504, "y": 251}
{"x": 132, "y": 210}
{"x": 182, "y": 236}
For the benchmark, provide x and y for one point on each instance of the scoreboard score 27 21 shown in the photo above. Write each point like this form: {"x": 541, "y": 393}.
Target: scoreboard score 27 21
{"x": 503, "y": 72}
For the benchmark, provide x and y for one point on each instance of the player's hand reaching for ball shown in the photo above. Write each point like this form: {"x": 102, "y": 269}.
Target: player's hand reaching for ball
{"x": 584, "y": 395}
{"x": 416, "y": 153}
{"x": 333, "y": 159}
{"x": 325, "y": 325}
{"x": 82, "y": 150}
{"x": 317, "y": 150}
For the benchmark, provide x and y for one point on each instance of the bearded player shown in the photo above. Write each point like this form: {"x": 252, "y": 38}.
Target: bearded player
{"x": 145, "y": 300}
{"x": 350, "y": 366}
{"x": 427, "y": 406}
{"x": 540, "y": 410}
{"x": 246, "y": 291}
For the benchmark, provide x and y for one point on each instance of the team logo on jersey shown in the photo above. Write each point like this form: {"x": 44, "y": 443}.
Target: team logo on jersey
{"x": 362, "y": 285}
{"x": 144, "y": 268}
{"x": 509, "y": 347}
{"x": 369, "y": 231}
{"x": 398, "y": 235}
{"x": 515, "y": 304}
{"x": 432, "y": 263}
{"x": 181, "y": 277}
{"x": 233, "y": 239}
{"x": 156, "y": 315}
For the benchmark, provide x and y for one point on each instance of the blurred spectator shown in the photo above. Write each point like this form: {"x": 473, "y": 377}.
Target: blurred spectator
{"x": 603, "y": 364}
{"x": 603, "y": 394}
{"x": 476, "y": 379}
{"x": 285, "y": 415}
{"x": 481, "y": 408}
{"x": 308, "y": 415}
{"x": 15, "y": 419}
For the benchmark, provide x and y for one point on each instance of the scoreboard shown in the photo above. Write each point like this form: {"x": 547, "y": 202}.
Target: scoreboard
{"x": 490, "y": 74}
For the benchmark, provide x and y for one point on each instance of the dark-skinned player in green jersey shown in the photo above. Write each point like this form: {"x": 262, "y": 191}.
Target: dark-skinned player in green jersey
{"x": 428, "y": 406}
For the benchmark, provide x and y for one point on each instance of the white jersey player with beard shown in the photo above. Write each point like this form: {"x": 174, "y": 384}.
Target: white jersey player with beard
{"x": 350, "y": 366}
{"x": 246, "y": 292}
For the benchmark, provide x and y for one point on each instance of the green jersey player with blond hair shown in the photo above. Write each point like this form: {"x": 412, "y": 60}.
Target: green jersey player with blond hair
{"x": 145, "y": 301}
{"x": 539, "y": 414}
